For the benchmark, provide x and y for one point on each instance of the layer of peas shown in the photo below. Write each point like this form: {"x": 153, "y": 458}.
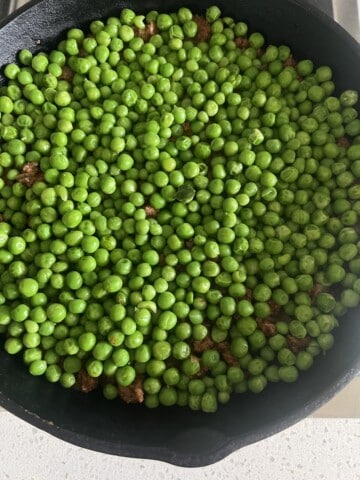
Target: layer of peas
{"x": 179, "y": 210}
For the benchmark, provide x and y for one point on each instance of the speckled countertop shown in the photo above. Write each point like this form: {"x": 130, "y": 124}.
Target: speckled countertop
{"x": 319, "y": 448}
{"x": 314, "y": 449}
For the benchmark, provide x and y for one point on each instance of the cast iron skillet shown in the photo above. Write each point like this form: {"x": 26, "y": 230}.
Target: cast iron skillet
{"x": 175, "y": 435}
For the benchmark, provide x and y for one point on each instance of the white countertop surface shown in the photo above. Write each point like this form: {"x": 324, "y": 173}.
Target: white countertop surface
{"x": 314, "y": 449}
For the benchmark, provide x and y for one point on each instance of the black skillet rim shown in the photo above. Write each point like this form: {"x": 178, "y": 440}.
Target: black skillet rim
{"x": 165, "y": 454}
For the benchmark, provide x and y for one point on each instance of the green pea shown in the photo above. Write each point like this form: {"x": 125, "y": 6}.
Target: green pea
{"x": 28, "y": 287}
{"x": 288, "y": 374}
{"x": 38, "y": 367}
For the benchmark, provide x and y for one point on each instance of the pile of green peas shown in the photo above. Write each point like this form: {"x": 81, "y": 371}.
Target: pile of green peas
{"x": 187, "y": 190}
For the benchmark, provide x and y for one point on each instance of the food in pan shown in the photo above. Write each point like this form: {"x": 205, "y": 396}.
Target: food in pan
{"x": 179, "y": 208}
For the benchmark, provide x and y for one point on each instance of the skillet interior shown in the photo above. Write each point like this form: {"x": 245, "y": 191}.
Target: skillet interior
{"x": 180, "y": 436}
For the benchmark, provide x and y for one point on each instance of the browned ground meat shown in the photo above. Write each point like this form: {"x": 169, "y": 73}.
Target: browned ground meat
{"x": 30, "y": 174}
{"x": 242, "y": 42}
{"x": 204, "y": 29}
{"x": 151, "y": 212}
{"x": 274, "y": 307}
{"x": 266, "y": 326}
{"x": 147, "y": 32}
{"x": 134, "y": 393}
{"x": 297, "y": 344}
{"x": 85, "y": 383}
{"x": 67, "y": 74}
{"x": 224, "y": 349}
{"x": 187, "y": 129}
{"x": 200, "y": 346}
{"x": 82, "y": 53}
{"x": 290, "y": 62}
